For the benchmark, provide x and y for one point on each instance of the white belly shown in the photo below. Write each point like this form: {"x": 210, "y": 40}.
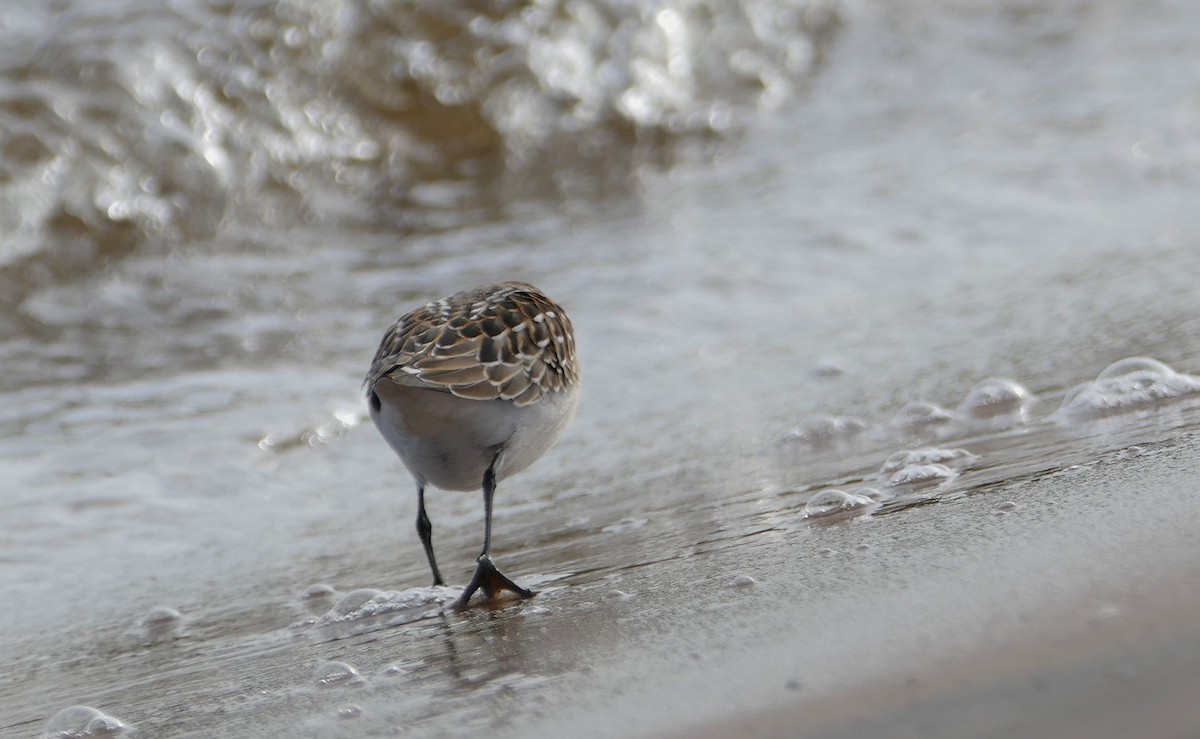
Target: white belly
{"x": 450, "y": 441}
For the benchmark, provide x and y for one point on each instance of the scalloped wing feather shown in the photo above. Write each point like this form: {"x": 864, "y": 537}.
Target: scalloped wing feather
{"x": 506, "y": 341}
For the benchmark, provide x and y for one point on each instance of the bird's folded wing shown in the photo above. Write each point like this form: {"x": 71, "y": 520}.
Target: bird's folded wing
{"x": 514, "y": 348}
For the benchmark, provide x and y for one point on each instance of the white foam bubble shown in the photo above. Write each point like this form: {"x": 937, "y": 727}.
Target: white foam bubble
{"x": 1134, "y": 365}
{"x": 837, "y": 503}
{"x": 953, "y": 458}
{"x": 996, "y": 397}
{"x": 921, "y": 476}
{"x": 350, "y": 710}
{"x": 821, "y": 430}
{"x": 624, "y": 525}
{"x": 318, "y": 591}
{"x": 317, "y": 599}
{"x": 80, "y": 722}
{"x": 829, "y": 367}
{"x": 921, "y": 414}
{"x": 158, "y": 625}
{"x": 742, "y": 581}
{"x": 1129, "y": 384}
{"x": 337, "y": 675}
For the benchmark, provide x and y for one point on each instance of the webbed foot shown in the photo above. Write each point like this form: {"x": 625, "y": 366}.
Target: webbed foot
{"x": 491, "y": 581}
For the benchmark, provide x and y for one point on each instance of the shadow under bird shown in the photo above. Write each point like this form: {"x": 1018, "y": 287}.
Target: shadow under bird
{"x": 470, "y": 389}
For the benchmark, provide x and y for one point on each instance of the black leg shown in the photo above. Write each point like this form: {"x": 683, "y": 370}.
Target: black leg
{"x": 487, "y": 578}
{"x": 489, "y": 490}
{"x": 425, "y": 530}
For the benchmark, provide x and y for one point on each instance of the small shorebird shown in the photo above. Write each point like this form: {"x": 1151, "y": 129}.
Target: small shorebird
{"x": 470, "y": 389}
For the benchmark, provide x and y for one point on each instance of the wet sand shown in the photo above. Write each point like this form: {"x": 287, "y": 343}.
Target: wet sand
{"x": 1069, "y": 613}
{"x": 1077, "y": 623}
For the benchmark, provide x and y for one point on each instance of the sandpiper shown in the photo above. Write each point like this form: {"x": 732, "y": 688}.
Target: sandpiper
{"x": 470, "y": 389}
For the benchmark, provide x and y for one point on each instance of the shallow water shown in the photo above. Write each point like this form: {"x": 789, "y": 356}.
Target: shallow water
{"x": 896, "y": 206}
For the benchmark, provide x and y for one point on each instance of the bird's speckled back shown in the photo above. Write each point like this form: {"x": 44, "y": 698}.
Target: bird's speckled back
{"x": 503, "y": 341}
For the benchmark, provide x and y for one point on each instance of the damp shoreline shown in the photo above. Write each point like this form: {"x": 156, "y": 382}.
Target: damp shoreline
{"x": 1051, "y": 601}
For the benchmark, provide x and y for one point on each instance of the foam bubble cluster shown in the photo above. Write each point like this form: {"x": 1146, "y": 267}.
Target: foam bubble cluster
{"x": 361, "y": 608}
{"x": 1129, "y": 384}
{"x": 79, "y": 722}
{"x": 953, "y": 458}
